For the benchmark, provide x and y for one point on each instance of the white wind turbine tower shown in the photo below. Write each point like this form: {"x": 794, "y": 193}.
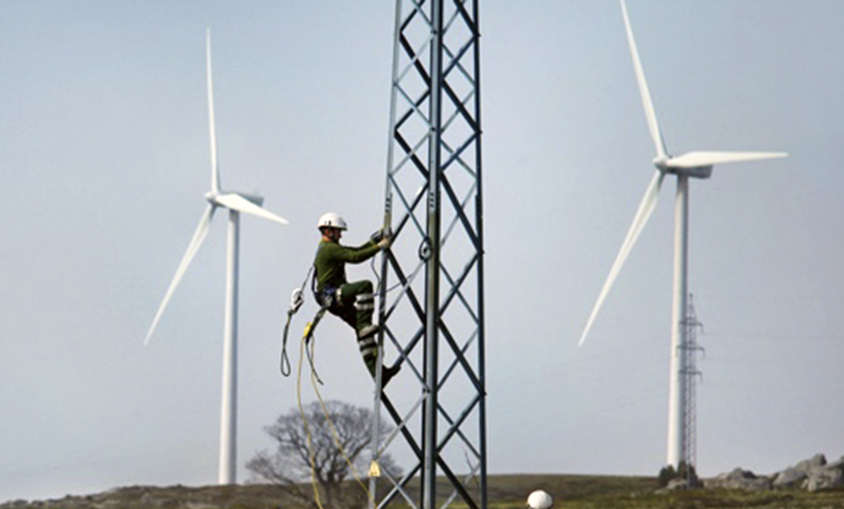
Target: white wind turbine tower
{"x": 235, "y": 203}
{"x": 692, "y": 164}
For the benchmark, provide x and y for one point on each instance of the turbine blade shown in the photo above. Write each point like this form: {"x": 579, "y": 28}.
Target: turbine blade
{"x": 215, "y": 170}
{"x": 697, "y": 159}
{"x": 646, "y": 208}
{"x": 237, "y": 202}
{"x": 193, "y": 247}
{"x": 653, "y": 126}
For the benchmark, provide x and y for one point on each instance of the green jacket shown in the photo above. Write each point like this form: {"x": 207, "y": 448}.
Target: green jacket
{"x": 331, "y": 259}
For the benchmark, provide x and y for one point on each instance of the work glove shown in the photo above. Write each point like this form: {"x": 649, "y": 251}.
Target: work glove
{"x": 382, "y": 238}
{"x": 378, "y": 235}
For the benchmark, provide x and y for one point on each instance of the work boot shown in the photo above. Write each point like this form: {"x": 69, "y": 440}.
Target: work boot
{"x": 387, "y": 374}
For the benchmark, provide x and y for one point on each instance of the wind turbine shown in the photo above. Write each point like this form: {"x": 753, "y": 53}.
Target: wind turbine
{"x": 235, "y": 203}
{"x": 686, "y": 166}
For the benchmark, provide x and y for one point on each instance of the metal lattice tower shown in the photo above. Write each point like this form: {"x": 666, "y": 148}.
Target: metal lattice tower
{"x": 431, "y": 294}
{"x": 691, "y": 374}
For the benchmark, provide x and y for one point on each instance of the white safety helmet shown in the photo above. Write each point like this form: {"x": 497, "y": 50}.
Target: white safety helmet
{"x": 540, "y": 499}
{"x": 331, "y": 220}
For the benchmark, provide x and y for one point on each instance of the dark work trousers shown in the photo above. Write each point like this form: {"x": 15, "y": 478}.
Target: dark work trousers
{"x": 355, "y": 307}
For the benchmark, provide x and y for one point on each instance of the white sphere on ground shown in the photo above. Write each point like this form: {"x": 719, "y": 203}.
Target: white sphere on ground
{"x": 540, "y": 499}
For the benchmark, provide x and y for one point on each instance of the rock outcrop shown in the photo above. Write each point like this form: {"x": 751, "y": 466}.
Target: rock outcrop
{"x": 738, "y": 479}
{"x": 812, "y": 474}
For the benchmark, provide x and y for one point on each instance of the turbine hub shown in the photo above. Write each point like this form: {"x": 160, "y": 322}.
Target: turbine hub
{"x": 661, "y": 163}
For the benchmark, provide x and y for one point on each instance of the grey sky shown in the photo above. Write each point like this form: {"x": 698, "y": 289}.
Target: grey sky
{"x": 104, "y": 138}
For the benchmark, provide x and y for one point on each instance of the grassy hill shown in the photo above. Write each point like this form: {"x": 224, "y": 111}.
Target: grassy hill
{"x": 610, "y": 492}
{"x": 504, "y": 492}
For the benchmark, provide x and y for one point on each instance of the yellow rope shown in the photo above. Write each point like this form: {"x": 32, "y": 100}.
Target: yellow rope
{"x": 305, "y": 341}
{"x": 305, "y": 420}
{"x": 340, "y": 447}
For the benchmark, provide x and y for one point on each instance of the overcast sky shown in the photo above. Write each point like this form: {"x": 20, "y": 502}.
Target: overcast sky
{"x": 105, "y": 162}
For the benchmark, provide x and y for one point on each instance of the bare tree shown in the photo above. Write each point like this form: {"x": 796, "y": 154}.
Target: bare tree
{"x": 308, "y": 448}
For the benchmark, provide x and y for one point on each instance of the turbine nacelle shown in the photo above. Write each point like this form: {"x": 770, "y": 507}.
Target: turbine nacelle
{"x": 214, "y": 198}
{"x": 698, "y": 172}
{"x": 253, "y": 198}
{"x": 668, "y": 164}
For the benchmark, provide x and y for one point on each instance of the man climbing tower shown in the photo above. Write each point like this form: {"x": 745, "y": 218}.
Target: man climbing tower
{"x": 353, "y": 302}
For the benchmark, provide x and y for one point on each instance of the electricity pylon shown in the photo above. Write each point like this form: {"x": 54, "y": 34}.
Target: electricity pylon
{"x": 431, "y": 290}
{"x": 689, "y": 371}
